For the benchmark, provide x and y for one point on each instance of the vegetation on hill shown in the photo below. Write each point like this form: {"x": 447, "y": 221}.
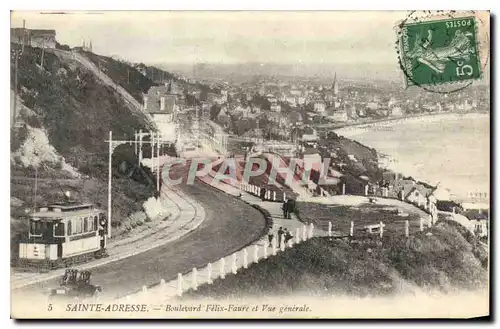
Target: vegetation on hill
{"x": 443, "y": 258}
{"x": 64, "y": 115}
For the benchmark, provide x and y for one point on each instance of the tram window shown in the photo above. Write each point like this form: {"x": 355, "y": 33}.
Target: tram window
{"x": 59, "y": 229}
{"x": 79, "y": 225}
{"x": 69, "y": 230}
{"x": 36, "y": 228}
{"x": 85, "y": 224}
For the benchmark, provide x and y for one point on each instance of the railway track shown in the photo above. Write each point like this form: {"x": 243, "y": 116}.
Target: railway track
{"x": 229, "y": 224}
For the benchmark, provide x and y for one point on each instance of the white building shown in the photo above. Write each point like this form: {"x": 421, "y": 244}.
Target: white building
{"x": 319, "y": 106}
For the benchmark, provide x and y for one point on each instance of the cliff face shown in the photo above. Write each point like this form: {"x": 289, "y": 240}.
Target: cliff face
{"x": 64, "y": 112}
{"x": 75, "y": 108}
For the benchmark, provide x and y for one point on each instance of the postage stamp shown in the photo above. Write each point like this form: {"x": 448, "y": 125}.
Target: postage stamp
{"x": 439, "y": 51}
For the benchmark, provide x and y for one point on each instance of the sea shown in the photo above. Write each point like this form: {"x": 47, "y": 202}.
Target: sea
{"x": 452, "y": 150}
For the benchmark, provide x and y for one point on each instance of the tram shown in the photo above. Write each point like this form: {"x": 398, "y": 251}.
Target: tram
{"x": 63, "y": 234}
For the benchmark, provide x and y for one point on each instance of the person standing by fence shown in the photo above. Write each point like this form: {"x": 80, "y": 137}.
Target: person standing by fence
{"x": 270, "y": 236}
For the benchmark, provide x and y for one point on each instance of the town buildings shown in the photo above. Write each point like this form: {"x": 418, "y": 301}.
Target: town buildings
{"x": 34, "y": 38}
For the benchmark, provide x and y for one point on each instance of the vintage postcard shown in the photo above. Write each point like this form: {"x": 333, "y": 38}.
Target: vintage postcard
{"x": 259, "y": 165}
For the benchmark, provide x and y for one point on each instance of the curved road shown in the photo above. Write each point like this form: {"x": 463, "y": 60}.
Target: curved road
{"x": 229, "y": 225}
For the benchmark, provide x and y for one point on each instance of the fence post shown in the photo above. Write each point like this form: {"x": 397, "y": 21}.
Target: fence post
{"x": 343, "y": 189}
{"x": 274, "y": 195}
{"x": 284, "y": 196}
{"x": 144, "y": 289}
{"x": 421, "y": 224}
{"x": 407, "y": 228}
{"x": 366, "y": 189}
{"x": 234, "y": 269}
{"x": 304, "y": 232}
{"x": 256, "y": 253}
{"x": 274, "y": 245}
{"x": 297, "y": 235}
{"x": 258, "y": 191}
{"x": 245, "y": 258}
{"x": 430, "y": 221}
{"x": 162, "y": 284}
{"x": 381, "y": 229}
{"x": 265, "y": 249}
{"x": 330, "y": 229}
{"x": 282, "y": 243}
{"x": 194, "y": 275}
{"x": 209, "y": 270}
{"x": 290, "y": 243}
{"x": 179, "y": 284}
{"x": 311, "y": 230}
{"x": 222, "y": 268}
{"x": 351, "y": 230}
{"x": 268, "y": 195}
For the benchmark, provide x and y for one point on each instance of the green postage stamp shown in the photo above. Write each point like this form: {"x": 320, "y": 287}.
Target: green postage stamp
{"x": 439, "y": 51}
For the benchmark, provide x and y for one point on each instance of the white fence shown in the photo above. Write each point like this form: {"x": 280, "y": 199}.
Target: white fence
{"x": 228, "y": 265}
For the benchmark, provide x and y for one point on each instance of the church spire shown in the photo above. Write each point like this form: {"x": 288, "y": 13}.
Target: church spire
{"x": 335, "y": 86}
{"x": 90, "y": 46}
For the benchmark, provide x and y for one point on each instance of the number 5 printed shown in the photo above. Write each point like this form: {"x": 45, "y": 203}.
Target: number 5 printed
{"x": 464, "y": 69}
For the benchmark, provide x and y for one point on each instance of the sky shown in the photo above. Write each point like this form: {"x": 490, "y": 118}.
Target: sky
{"x": 355, "y": 44}
{"x": 229, "y": 37}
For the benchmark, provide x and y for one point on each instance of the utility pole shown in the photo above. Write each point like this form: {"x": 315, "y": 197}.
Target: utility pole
{"x": 36, "y": 184}
{"x": 17, "y": 54}
{"x": 158, "y": 164}
{"x": 109, "y": 181}
{"x": 128, "y": 76}
{"x": 43, "y": 52}
{"x": 24, "y": 34}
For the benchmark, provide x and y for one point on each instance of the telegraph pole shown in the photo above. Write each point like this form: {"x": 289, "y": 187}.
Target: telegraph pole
{"x": 17, "y": 54}
{"x": 158, "y": 164}
{"x": 24, "y": 34}
{"x": 109, "y": 181}
{"x": 43, "y": 52}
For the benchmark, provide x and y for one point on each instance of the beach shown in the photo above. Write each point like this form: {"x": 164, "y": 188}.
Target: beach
{"x": 450, "y": 149}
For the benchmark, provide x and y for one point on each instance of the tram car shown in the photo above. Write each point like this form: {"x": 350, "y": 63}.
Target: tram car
{"x": 63, "y": 234}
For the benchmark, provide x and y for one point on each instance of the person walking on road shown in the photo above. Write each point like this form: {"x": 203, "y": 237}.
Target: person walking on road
{"x": 290, "y": 207}
{"x": 284, "y": 207}
{"x": 280, "y": 234}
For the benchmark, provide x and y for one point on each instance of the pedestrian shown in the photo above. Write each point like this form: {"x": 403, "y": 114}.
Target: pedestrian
{"x": 288, "y": 235}
{"x": 284, "y": 207}
{"x": 263, "y": 194}
{"x": 280, "y": 234}
{"x": 290, "y": 208}
{"x": 270, "y": 236}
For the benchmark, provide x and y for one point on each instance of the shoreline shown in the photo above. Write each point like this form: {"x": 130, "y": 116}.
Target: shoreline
{"x": 405, "y": 167}
{"x": 414, "y": 118}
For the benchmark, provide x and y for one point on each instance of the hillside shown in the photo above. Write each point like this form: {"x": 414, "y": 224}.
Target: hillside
{"x": 64, "y": 115}
{"x": 445, "y": 258}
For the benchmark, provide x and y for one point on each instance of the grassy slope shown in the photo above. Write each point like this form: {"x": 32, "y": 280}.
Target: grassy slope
{"x": 449, "y": 258}
{"x": 362, "y": 214}
{"x": 77, "y": 111}
{"x": 367, "y": 162}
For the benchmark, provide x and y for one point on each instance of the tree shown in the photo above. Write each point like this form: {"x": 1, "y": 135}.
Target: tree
{"x": 214, "y": 111}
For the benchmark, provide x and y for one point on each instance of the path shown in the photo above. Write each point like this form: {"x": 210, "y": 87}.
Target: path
{"x": 254, "y": 252}
{"x": 189, "y": 216}
{"x": 229, "y": 224}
